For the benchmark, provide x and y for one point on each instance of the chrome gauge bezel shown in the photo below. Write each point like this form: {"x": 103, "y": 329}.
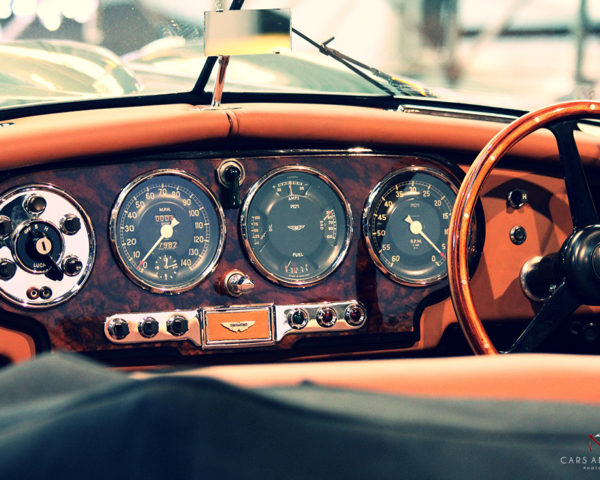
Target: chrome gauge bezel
{"x": 113, "y": 231}
{"x": 84, "y": 242}
{"x": 244, "y": 231}
{"x": 451, "y": 181}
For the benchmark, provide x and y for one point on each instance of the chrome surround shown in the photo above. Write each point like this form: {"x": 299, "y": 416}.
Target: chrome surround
{"x": 321, "y": 312}
{"x": 363, "y": 314}
{"x": 134, "y": 319}
{"x": 282, "y": 327}
{"x": 366, "y": 229}
{"x": 291, "y": 313}
{"x": 197, "y": 332}
{"x": 82, "y": 245}
{"x": 16, "y": 234}
{"x": 113, "y": 227}
{"x": 242, "y": 343}
{"x": 243, "y": 227}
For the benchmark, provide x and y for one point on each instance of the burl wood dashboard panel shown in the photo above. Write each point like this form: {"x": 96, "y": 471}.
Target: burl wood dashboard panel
{"x": 394, "y": 311}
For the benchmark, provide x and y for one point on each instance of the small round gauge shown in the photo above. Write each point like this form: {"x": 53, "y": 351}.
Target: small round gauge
{"x": 296, "y": 226}
{"x": 167, "y": 231}
{"x": 405, "y": 224}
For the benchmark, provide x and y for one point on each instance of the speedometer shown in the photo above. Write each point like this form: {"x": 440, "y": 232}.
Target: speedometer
{"x": 405, "y": 224}
{"x": 167, "y": 231}
{"x": 296, "y": 226}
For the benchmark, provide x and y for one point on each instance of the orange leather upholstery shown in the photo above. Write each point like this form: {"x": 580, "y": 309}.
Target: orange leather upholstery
{"x": 41, "y": 139}
{"x": 537, "y": 377}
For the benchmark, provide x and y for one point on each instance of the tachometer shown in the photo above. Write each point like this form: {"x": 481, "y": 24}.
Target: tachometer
{"x": 296, "y": 226}
{"x": 167, "y": 231}
{"x": 405, "y": 224}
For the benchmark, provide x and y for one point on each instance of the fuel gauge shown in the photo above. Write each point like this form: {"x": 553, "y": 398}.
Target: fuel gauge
{"x": 296, "y": 226}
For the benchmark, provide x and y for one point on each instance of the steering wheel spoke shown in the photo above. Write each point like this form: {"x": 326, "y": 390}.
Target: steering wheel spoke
{"x": 580, "y": 254}
{"x": 552, "y": 315}
{"x": 583, "y": 210}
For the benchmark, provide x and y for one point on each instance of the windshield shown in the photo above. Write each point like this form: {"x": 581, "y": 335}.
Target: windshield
{"x": 506, "y": 53}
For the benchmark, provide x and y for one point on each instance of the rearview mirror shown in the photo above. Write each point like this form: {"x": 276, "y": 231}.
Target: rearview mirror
{"x": 247, "y": 32}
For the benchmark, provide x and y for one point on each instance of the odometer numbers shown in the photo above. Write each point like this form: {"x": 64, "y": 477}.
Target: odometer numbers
{"x": 167, "y": 231}
{"x": 405, "y": 224}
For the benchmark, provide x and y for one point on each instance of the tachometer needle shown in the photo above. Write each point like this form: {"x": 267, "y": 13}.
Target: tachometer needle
{"x": 416, "y": 228}
{"x": 166, "y": 231}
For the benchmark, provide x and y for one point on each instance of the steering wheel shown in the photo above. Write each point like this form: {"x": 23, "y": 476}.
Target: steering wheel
{"x": 579, "y": 257}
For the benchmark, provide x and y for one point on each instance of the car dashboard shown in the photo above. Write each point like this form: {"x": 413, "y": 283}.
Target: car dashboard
{"x": 165, "y": 234}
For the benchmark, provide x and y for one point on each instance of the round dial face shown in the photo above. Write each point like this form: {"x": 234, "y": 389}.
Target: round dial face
{"x": 296, "y": 226}
{"x": 167, "y": 231}
{"x": 405, "y": 224}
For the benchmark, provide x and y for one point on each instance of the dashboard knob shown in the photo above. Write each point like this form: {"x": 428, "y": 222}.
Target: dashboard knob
{"x": 177, "y": 325}
{"x": 72, "y": 266}
{"x": 34, "y": 205}
{"x": 355, "y": 314}
{"x": 237, "y": 283}
{"x": 70, "y": 224}
{"x": 297, "y": 318}
{"x": 118, "y": 328}
{"x": 6, "y": 226}
{"x": 7, "y": 269}
{"x": 148, "y": 327}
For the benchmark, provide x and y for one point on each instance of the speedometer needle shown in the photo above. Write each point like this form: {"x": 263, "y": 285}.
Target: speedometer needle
{"x": 166, "y": 231}
{"x": 416, "y": 228}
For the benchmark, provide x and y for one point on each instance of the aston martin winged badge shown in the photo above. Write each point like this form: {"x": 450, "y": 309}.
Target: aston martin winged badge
{"x": 237, "y": 326}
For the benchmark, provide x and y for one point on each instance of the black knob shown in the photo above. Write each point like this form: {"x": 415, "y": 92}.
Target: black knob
{"x": 7, "y": 269}
{"x": 118, "y": 328}
{"x": 355, "y": 314}
{"x": 6, "y": 226}
{"x": 518, "y": 235}
{"x": 517, "y": 198}
{"x": 70, "y": 224}
{"x": 72, "y": 266}
{"x": 590, "y": 332}
{"x": 326, "y": 317}
{"x": 148, "y": 327}
{"x": 35, "y": 205}
{"x": 177, "y": 325}
{"x": 297, "y": 318}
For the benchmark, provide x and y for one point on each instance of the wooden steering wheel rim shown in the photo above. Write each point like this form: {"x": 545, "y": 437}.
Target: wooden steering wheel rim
{"x": 464, "y": 208}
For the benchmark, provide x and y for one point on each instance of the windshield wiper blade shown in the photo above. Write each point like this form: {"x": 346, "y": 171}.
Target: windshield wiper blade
{"x": 352, "y": 63}
{"x": 210, "y": 62}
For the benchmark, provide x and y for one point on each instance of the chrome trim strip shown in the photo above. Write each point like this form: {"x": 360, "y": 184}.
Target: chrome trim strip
{"x": 244, "y": 228}
{"x": 134, "y": 319}
{"x": 457, "y": 113}
{"x": 112, "y": 229}
{"x": 282, "y": 327}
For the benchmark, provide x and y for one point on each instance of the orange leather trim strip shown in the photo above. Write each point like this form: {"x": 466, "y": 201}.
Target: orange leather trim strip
{"x": 41, "y": 139}
{"x": 16, "y": 345}
{"x": 533, "y": 377}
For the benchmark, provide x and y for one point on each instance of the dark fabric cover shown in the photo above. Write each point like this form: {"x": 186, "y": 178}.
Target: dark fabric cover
{"x": 65, "y": 417}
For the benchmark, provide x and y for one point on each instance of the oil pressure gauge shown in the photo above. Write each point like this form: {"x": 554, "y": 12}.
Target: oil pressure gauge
{"x": 296, "y": 226}
{"x": 405, "y": 224}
